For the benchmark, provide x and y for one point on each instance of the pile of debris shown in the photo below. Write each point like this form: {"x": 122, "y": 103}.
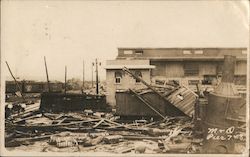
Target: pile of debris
{"x": 100, "y": 132}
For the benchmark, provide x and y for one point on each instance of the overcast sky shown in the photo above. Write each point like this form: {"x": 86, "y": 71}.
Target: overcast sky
{"x": 66, "y": 32}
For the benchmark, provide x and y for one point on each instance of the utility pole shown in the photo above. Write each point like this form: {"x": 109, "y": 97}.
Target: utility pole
{"x": 47, "y": 74}
{"x": 83, "y": 73}
{"x": 92, "y": 77}
{"x": 65, "y": 81}
{"x": 97, "y": 82}
{"x": 97, "y": 76}
{"x": 19, "y": 88}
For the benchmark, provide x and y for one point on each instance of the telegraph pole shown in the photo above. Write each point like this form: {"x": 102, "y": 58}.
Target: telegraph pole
{"x": 65, "y": 81}
{"x": 47, "y": 74}
{"x": 92, "y": 77}
{"x": 83, "y": 73}
{"x": 97, "y": 81}
{"x": 19, "y": 88}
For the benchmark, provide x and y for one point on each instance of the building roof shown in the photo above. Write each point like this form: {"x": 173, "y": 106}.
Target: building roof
{"x": 167, "y": 48}
{"x": 116, "y": 67}
{"x": 130, "y": 64}
{"x": 186, "y": 53}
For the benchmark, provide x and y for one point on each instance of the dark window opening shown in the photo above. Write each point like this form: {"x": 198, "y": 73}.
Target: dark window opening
{"x": 193, "y": 82}
{"x": 240, "y": 79}
{"x": 118, "y": 76}
{"x": 138, "y": 74}
{"x": 117, "y": 80}
{"x": 208, "y": 79}
{"x": 191, "y": 69}
{"x": 139, "y": 52}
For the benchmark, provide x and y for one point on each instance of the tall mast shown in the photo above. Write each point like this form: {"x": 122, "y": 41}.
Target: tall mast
{"x": 17, "y": 84}
{"x": 47, "y": 74}
{"x": 65, "y": 81}
{"x": 97, "y": 81}
{"x": 92, "y": 77}
{"x": 83, "y": 73}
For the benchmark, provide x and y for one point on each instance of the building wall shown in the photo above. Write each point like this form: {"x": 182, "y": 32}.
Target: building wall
{"x": 207, "y": 68}
{"x": 241, "y": 68}
{"x": 174, "y": 70}
{"x": 160, "y": 69}
{"x": 150, "y": 53}
{"x": 127, "y": 62}
{"x": 126, "y": 83}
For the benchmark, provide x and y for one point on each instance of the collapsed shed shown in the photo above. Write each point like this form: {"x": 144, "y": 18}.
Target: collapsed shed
{"x": 155, "y": 101}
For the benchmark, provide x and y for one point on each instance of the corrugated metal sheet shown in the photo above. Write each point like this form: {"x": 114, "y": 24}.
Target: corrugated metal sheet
{"x": 182, "y": 98}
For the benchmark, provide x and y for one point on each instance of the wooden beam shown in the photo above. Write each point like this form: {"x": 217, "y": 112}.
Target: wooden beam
{"x": 150, "y": 87}
{"x": 19, "y": 88}
{"x": 147, "y": 103}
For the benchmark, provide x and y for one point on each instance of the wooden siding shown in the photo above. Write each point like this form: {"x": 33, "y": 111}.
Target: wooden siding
{"x": 241, "y": 68}
{"x": 207, "y": 68}
{"x": 160, "y": 69}
{"x": 174, "y": 69}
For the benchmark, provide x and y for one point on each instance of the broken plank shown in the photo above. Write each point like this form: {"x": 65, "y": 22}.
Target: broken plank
{"x": 30, "y": 117}
{"x": 127, "y": 150}
{"x": 54, "y": 125}
{"x": 62, "y": 120}
{"x": 32, "y": 138}
{"x": 128, "y": 137}
{"x": 97, "y": 124}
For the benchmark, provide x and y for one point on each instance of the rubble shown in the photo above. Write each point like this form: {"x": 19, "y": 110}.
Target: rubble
{"x": 76, "y": 131}
{"x": 92, "y": 131}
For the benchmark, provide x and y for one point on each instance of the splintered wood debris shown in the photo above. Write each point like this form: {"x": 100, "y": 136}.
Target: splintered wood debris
{"x": 100, "y": 132}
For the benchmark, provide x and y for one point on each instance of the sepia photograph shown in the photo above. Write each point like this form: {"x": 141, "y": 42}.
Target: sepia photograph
{"x": 124, "y": 78}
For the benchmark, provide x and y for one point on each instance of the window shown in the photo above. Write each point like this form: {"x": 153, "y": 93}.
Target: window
{"x": 198, "y": 52}
{"x": 139, "y": 52}
{"x": 187, "y": 52}
{"x": 191, "y": 69}
{"x": 118, "y": 77}
{"x": 209, "y": 79}
{"x": 244, "y": 51}
{"x": 128, "y": 52}
{"x": 193, "y": 82}
{"x": 240, "y": 79}
{"x": 138, "y": 74}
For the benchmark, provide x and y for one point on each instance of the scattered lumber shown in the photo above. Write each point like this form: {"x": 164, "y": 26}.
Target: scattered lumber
{"x": 111, "y": 139}
{"x": 73, "y": 130}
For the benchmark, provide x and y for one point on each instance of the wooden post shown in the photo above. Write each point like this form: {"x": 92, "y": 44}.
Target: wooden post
{"x": 97, "y": 81}
{"x": 47, "y": 74}
{"x": 19, "y": 88}
{"x": 65, "y": 81}
{"x": 83, "y": 75}
{"x": 92, "y": 77}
